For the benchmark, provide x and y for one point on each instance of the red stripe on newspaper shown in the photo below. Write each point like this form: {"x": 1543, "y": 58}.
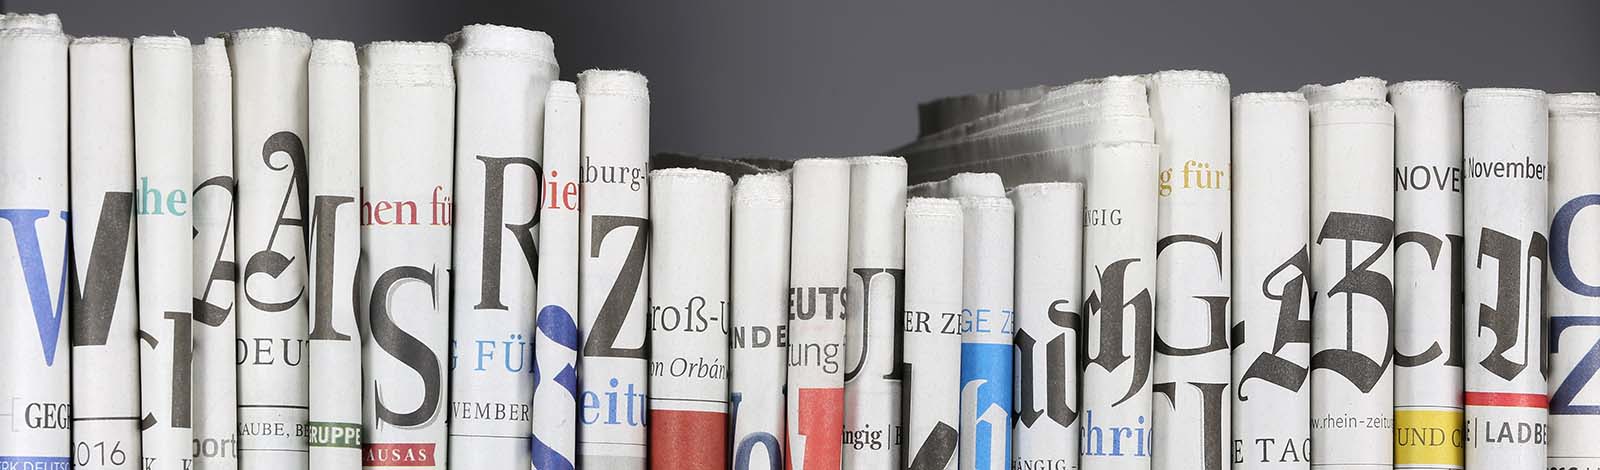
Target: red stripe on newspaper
{"x": 397, "y": 455}
{"x": 1520, "y": 400}
{"x": 821, "y": 427}
{"x": 688, "y": 440}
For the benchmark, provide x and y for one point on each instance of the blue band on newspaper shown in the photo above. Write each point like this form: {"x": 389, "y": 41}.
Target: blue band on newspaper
{"x": 10, "y": 462}
{"x": 986, "y": 399}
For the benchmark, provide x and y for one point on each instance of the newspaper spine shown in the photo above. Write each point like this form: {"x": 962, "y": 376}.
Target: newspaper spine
{"x": 1352, "y": 259}
{"x": 555, "y": 380}
{"x": 216, "y": 397}
{"x": 105, "y": 338}
{"x": 1272, "y": 295}
{"x": 689, "y": 312}
{"x": 1573, "y": 301}
{"x": 1193, "y": 270}
{"x": 987, "y": 327}
{"x": 817, "y": 277}
{"x": 408, "y": 104}
{"x": 163, "y": 136}
{"x": 760, "y": 287}
{"x": 334, "y": 118}
{"x": 269, "y": 114}
{"x": 615, "y": 282}
{"x": 35, "y": 369}
{"x": 502, "y": 74}
{"x": 873, "y": 308}
{"x": 1428, "y": 243}
{"x": 932, "y": 333}
{"x": 1119, "y": 272}
{"x": 1506, "y": 198}
{"x": 1049, "y": 287}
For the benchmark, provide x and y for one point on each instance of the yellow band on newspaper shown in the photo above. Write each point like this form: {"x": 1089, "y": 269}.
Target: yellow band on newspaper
{"x": 1428, "y": 437}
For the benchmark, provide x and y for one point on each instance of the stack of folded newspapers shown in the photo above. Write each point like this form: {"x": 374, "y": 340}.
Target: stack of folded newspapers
{"x": 266, "y": 251}
{"x": 1426, "y": 225}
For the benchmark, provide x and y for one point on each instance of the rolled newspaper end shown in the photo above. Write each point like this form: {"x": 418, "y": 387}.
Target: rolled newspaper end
{"x": 555, "y": 385}
{"x": 1574, "y": 104}
{"x": 1062, "y": 164}
{"x": 873, "y": 350}
{"x": 1119, "y": 274}
{"x": 163, "y": 146}
{"x": 943, "y": 113}
{"x": 1049, "y": 289}
{"x": 1193, "y": 270}
{"x": 1272, "y": 293}
{"x": 760, "y": 323}
{"x": 974, "y": 184}
{"x": 688, "y": 325}
{"x": 1359, "y": 88}
{"x": 1066, "y": 112}
{"x": 105, "y": 322}
{"x": 615, "y": 268}
{"x": 334, "y": 117}
{"x": 819, "y": 261}
{"x": 987, "y": 326}
{"x": 216, "y": 395}
{"x": 1039, "y": 141}
{"x": 39, "y": 21}
{"x": 1427, "y": 205}
{"x": 1573, "y": 299}
{"x": 932, "y": 333}
{"x": 35, "y": 365}
{"x": 269, "y": 113}
{"x": 502, "y": 76}
{"x": 1507, "y": 164}
{"x": 408, "y": 104}
{"x": 930, "y": 189}
{"x": 1352, "y": 262}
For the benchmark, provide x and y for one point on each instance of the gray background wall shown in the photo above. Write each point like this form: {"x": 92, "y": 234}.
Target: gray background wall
{"x": 836, "y": 77}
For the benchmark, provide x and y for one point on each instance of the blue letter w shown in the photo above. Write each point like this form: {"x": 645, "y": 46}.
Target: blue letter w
{"x": 46, "y": 316}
